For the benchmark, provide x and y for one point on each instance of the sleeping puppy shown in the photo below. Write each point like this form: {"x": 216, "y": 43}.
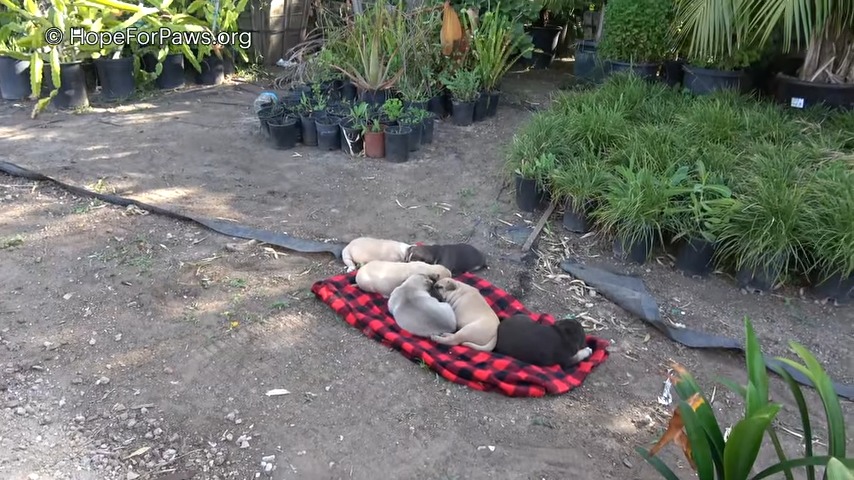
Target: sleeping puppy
{"x": 365, "y": 249}
{"x": 383, "y": 277}
{"x": 418, "y": 312}
{"x": 563, "y": 343}
{"x": 477, "y": 324}
{"x": 459, "y": 258}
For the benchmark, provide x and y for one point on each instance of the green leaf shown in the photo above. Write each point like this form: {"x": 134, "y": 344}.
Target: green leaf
{"x": 700, "y": 448}
{"x": 800, "y": 462}
{"x": 804, "y": 412}
{"x": 744, "y": 442}
{"x": 756, "y": 371}
{"x": 824, "y": 386}
{"x": 837, "y": 471}
{"x": 657, "y": 464}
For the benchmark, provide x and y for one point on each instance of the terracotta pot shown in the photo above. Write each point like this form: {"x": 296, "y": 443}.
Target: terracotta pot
{"x": 375, "y": 144}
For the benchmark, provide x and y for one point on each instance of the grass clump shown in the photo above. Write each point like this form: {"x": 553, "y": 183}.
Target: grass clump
{"x": 772, "y": 189}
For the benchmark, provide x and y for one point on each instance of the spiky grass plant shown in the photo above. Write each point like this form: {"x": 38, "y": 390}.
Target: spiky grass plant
{"x": 546, "y": 132}
{"x": 636, "y": 202}
{"x": 767, "y": 227}
{"x": 581, "y": 178}
{"x": 830, "y": 213}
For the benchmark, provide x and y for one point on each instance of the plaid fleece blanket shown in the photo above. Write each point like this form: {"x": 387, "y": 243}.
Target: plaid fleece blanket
{"x": 478, "y": 370}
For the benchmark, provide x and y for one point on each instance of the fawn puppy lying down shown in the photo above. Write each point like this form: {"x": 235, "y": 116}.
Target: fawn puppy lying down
{"x": 383, "y": 277}
{"x": 417, "y": 311}
{"x": 365, "y": 249}
{"x": 477, "y": 323}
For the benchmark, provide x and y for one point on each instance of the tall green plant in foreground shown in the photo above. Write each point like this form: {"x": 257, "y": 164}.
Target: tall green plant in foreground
{"x": 696, "y": 429}
{"x": 494, "y": 44}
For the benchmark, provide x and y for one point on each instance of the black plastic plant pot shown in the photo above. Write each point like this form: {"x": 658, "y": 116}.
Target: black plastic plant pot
{"x": 797, "y": 93}
{"x": 674, "y": 75}
{"x": 309, "y": 130}
{"x": 492, "y": 105}
{"x": 213, "y": 71}
{"x": 695, "y": 257}
{"x": 546, "y": 38}
{"x": 415, "y": 133}
{"x": 462, "y": 113}
{"x": 172, "y": 74}
{"x": 587, "y": 67}
{"x": 116, "y": 78}
{"x": 397, "y": 144}
{"x": 264, "y": 115}
{"x": 428, "y": 127}
{"x": 635, "y": 252}
{"x": 348, "y": 91}
{"x": 480, "y": 107}
{"x": 352, "y": 140}
{"x": 437, "y": 106}
{"x": 283, "y": 132}
{"x": 761, "y": 278}
{"x": 542, "y": 60}
{"x": 835, "y": 288}
{"x": 374, "y": 97}
{"x": 576, "y": 216}
{"x": 328, "y": 133}
{"x": 528, "y": 195}
{"x": 647, "y": 71}
{"x": 14, "y": 78}
{"x": 701, "y": 81}
{"x": 72, "y": 92}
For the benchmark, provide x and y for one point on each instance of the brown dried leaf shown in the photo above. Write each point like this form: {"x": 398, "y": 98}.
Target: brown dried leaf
{"x": 452, "y": 30}
{"x": 676, "y": 429}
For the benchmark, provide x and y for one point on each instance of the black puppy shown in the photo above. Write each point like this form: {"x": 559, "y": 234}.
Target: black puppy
{"x": 544, "y": 345}
{"x": 459, "y": 258}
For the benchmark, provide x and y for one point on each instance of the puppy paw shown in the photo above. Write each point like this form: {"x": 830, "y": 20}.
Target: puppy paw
{"x": 584, "y": 353}
{"x": 440, "y": 337}
{"x": 350, "y": 269}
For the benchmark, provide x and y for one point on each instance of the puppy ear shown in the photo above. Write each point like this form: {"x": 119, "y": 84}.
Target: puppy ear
{"x": 450, "y": 286}
{"x": 434, "y": 277}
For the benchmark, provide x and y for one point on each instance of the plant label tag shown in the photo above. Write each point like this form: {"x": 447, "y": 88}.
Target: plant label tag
{"x": 797, "y": 102}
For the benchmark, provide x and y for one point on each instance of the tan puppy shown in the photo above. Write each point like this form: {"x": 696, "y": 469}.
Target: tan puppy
{"x": 383, "y": 277}
{"x": 366, "y": 249}
{"x": 477, "y": 323}
{"x": 418, "y": 312}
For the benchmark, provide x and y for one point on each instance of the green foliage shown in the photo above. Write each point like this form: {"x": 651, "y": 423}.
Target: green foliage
{"x": 734, "y": 458}
{"x": 393, "y": 109}
{"x": 769, "y": 187}
{"x": 464, "y": 85}
{"x": 637, "y": 31}
{"x": 494, "y": 44}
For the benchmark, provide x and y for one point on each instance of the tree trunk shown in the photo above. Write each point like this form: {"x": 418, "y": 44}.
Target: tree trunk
{"x": 830, "y": 55}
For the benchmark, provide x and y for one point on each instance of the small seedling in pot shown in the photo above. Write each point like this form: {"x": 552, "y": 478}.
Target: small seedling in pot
{"x": 393, "y": 109}
{"x": 376, "y": 127}
{"x": 359, "y": 115}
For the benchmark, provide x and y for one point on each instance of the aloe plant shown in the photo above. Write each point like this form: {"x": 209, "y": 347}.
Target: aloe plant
{"x": 372, "y": 68}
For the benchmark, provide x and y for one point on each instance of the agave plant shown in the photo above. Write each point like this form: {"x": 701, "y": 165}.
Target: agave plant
{"x": 372, "y": 68}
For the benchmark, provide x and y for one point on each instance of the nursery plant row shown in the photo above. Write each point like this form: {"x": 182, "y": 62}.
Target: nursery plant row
{"x": 331, "y": 116}
{"x": 729, "y": 182}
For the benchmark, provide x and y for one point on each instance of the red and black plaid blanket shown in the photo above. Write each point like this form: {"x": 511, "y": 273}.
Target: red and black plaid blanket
{"x": 479, "y": 370}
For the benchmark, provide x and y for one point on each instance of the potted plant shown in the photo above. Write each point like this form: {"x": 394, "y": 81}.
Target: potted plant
{"x": 166, "y": 64}
{"x": 311, "y": 108}
{"x": 830, "y": 213}
{"x": 636, "y": 35}
{"x": 581, "y": 181}
{"x": 634, "y": 207}
{"x": 414, "y": 87}
{"x": 822, "y": 29}
{"x": 762, "y": 232}
{"x": 283, "y": 131}
{"x": 531, "y": 179}
{"x": 328, "y": 131}
{"x": 353, "y": 128}
{"x": 494, "y": 44}
{"x": 216, "y": 61}
{"x": 428, "y": 125}
{"x": 695, "y": 217}
{"x": 412, "y": 118}
{"x": 545, "y": 37}
{"x": 397, "y": 143}
{"x": 392, "y": 110}
{"x": 464, "y": 86}
{"x": 14, "y": 70}
{"x": 368, "y": 65}
{"x": 61, "y": 63}
{"x": 375, "y": 140}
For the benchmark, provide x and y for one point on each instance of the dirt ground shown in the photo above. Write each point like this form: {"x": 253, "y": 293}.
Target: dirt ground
{"x": 137, "y": 346}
